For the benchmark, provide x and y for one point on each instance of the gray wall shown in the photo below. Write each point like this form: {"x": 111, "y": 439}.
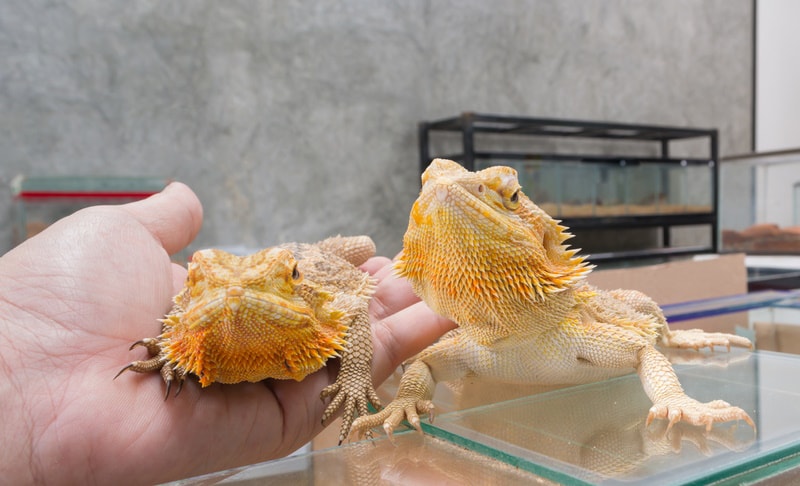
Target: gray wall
{"x": 294, "y": 120}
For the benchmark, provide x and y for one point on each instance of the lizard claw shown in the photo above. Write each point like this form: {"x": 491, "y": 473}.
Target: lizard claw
{"x": 353, "y": 397}
{"x": 696, "y": 413}
{"x": 122, "y": 371}
{"x": 151, "y": 344}
{"x": 697, "y": 339}
{"x": 157, "y": 362}
{"x": 408, "y": 409}
{"x": 389, "y": 430}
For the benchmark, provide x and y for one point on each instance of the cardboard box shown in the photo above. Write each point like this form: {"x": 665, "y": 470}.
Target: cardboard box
{"x": 703, "y": 277}
{"x": 784, "y": 338}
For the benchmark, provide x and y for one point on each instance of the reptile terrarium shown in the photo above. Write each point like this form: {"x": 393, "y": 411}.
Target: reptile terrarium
{"x": 566, "y": 189}
{"x": 760, "y": 203}
{"x": 653, "y": 187}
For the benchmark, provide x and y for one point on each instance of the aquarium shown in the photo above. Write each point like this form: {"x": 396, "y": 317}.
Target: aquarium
{"x": 760, "y": 203}
{"x": 574, "y": 189}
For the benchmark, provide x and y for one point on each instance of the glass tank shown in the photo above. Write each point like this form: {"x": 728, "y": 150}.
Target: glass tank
{"x": 573, "y": 189}
{"x": 631, "y": 185}
{"x": 760, "y": 203}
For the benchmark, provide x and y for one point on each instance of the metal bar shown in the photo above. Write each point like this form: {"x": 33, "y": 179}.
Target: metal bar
{"x": 714, "y": 141}
{"x": 588, "y": 158}
{"x": 648, "y": 253}
{"x": 639, "y": 221}
{"x": 468, "y": 136}
{"x": 658, "y": 131}
{"x": 548, "y": 127}
{"x": 424, "y": 148}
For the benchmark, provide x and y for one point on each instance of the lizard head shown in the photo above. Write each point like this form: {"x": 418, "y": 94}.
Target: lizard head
{"x": 252, "y": 317}
{"x": 478, "y": 234}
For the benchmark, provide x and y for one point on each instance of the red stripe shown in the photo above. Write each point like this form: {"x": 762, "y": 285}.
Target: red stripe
{"x": 84, "y": 195}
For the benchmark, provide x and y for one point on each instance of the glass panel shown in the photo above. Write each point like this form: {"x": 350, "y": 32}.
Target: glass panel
{"x": 578, "y": 189}
{"x": 413, "y": 459}
{"x": 612, "y": 188}
{"x": 686, "y": 188}
{"x": 596, "y": 433}
{"x": 588, "y": 434}
{"x": 698, "y": 189}
{"x": 796, "y": 200}
{"x": 567, "y": 189}
{"x": 645, "y": 194}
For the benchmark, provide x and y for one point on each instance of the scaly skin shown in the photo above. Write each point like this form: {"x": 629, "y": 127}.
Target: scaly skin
{"x": 280, "y": 313}
{"x": 479, "y": 252}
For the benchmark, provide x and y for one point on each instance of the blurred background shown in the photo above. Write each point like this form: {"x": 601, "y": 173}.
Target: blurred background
{"x": 298, "y": 120}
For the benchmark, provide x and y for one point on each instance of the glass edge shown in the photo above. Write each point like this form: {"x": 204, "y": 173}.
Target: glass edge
{"x": 498, "y": 455}
{"x": 755, "y": 469}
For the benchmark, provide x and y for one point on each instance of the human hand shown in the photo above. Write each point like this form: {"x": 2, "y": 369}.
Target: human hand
{"x": 74, "y": 298}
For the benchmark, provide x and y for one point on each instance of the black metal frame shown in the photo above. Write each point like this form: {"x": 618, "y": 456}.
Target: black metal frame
{"x": 469, "y": 124}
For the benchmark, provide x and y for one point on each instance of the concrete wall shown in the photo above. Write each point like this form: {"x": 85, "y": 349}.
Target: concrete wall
{"x": 294, "y": 120}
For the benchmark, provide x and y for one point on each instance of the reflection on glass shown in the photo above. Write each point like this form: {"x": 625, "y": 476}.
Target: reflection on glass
{"x": 588, "y": 434}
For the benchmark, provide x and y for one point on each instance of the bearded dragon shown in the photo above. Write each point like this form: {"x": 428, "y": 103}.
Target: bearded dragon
{"x": 280, "y": 313}
{"x": 479, "y": 252}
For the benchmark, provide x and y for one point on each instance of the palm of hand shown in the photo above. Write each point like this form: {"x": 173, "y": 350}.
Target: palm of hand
{"x": 109, "y": 281}
{"x": 73, "y": 300}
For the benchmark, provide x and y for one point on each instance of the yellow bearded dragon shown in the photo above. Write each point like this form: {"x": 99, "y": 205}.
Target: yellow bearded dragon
{"x": 280, "y": 313}
{"x": 482, "y": 254}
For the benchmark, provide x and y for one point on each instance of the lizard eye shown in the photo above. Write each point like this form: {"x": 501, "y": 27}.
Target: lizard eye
{"x": 513, "y": 201}
{"x": 295, "y": 273}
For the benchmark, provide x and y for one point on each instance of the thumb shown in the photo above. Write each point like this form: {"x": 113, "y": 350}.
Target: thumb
{"x": 173, "y": 216}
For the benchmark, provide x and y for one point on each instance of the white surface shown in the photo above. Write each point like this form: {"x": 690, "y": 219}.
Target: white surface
{"x": 777, "y": 75}
{"x": 766, "y": 261}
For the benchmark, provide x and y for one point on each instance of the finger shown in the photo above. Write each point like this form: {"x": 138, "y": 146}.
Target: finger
{"x": 404, "y": 334}
{"x": 178, "y": 278}
{"x": 375, "y": 264}
{"x": 387, "y": 270}
{"x": 392, "y": 295}
{"x": 173, "y": 216}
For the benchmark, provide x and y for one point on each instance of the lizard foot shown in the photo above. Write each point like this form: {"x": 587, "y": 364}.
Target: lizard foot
{"x": 157, "y": 362}
{"x": 697, "y": 339}
{"x": 354, "y": 395}
{"x": 400, "y": 409}
{"x": 693, "y": 412}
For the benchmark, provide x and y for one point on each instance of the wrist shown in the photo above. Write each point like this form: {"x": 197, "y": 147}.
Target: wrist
{"x": 16, "y": 457}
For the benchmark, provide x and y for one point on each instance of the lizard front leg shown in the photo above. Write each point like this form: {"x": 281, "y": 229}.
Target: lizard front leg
{"x": 439, "y": 362}
{"x": 670, "y": 402}
{"x": 610, "y": 346}
{"x": 682, "y": 339}
{"x": 412, "y": 400}
{"x": 353, "y": 386}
